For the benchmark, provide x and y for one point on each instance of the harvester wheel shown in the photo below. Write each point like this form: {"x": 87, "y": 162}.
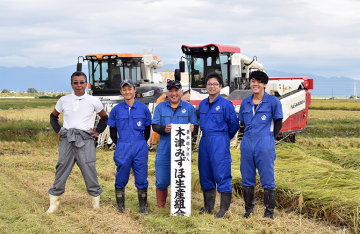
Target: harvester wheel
{"x": 292, "y": 138}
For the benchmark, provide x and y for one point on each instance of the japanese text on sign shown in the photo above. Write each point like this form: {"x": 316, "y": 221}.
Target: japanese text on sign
{"x": 181, "y": 170}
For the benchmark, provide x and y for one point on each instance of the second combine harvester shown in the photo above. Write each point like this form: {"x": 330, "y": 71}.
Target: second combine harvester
{"x": 235, "y": 69}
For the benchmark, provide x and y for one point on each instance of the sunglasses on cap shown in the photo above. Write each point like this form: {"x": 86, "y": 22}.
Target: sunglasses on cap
{"x": 81, "y": 82}
{"x": 173, "y": 83}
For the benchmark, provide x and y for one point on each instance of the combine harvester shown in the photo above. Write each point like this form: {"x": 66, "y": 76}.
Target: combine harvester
{"x": 235, "y": 68}
{"x": 106, "y": 71}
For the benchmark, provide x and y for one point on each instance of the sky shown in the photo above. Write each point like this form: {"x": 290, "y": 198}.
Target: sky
{"x": 298, "y": 36}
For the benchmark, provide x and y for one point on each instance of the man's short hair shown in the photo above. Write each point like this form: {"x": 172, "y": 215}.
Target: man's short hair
{"x": 259, "y": 76}
{"x": 216, "y": 76}
{"x": 78, "y": 73}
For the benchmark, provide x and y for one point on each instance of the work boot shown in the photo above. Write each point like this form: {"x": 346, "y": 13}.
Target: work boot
{"x": 209, "y": 201}
{"x": 269, "y": 202}
{"x": 249, "y": 198}
{"x": 161, "y": 196}
{"x": 54, "y": 204}
{"x": 142, "y": 196}
{"x": 224, "y": 204}
{"x": 95, "y": 202}
{"x": 120, "y": 199}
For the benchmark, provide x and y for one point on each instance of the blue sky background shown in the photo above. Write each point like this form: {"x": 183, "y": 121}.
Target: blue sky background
{"x": 297, "y": 36}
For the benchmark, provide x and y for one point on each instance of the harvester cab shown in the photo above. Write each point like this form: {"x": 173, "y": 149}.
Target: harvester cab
{"x": 107, "y": 71}
{"x": 225, "y": 60}
{"x": 235, "y": 69}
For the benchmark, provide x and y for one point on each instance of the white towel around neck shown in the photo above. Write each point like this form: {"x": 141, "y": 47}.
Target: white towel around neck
{"x": 76, "y": 100}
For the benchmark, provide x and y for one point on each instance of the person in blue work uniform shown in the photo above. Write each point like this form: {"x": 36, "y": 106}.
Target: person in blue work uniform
{"x": 130, "y": 120}
{"x": 172, "y": 111}
{"x": 219, "y": 124}
{"x": 262, "y": 115}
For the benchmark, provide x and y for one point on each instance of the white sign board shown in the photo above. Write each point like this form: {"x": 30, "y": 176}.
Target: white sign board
{"x": 180, "y": 170}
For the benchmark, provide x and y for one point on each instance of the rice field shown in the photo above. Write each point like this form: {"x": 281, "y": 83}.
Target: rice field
{"x": 353, "y": 105}
{"x": 14, "y": 103}
{"x": 318, "y": 190}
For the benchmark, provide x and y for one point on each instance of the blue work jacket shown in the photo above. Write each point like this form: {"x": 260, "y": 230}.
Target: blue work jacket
{"x": 219, "y": 117}
{"x": 261, "y": 119}
{"x": 130, "y": 123}
{"x": 164, "y": 115}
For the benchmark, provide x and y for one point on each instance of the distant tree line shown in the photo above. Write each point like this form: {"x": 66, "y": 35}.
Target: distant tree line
{"x": 29, "y": 90}
{"x": 32, "y": 90}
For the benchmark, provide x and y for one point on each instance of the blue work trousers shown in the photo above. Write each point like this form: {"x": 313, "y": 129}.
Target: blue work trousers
{"x": 258, "y": 152}
{"x": 131, "y": 154}
{"x": 214, "y": 162}
{"x": 162, "y": 165}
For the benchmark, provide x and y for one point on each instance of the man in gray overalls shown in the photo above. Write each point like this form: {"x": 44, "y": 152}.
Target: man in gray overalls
{"x": 77, "y": 143}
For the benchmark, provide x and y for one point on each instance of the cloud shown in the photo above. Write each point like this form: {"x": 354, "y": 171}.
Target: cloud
{"x": 293, "y": 32}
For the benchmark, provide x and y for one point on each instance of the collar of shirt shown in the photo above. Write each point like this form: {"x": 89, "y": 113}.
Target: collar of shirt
{"x": 168, "y": 103}
{"x": 133, "y": 106}
{"x": 264, "y": 99}
{"x": 215, "y": 100}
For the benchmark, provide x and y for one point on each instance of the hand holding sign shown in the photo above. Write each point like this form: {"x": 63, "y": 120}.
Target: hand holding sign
{"x": 168, "y": 128}
{"x": 191, "y": 127}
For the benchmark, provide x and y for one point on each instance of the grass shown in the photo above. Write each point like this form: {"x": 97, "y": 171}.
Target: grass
{"x": 37, "y": 132}
{"x": 6, "y": 104}
{"x": 328, "y": 128}
{"x": 27, "y": 172}
{"x": 333, "y": 123}
{"x": 341, "y": 151}
{"x": 29, "y": 125}
{"x": 317, "y": 177}
{"x": 329, "y": 191}
{"x": 24, "y": 181}
{"x": 353, "y": 105}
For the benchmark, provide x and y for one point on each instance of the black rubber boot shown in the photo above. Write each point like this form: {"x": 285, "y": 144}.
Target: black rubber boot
{"x": 209, "y": 201}
{"x": 269, "y": 202}
{"x": 120, "y": 199}
{"x": 224, "y": 204}
{"x": 142, "y": 195}
{"x": 249, "y": 198}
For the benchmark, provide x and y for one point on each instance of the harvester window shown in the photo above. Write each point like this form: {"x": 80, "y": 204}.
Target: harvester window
{"x": 224, "y": 68}
{"x": 104, "y": 76}
{"x": 209, "y": 62}
{"x": 200, "y": 65}
{"x": 104, "y": 71}
{"x": 96, "y": 71}
{"x": 131, "y": 70}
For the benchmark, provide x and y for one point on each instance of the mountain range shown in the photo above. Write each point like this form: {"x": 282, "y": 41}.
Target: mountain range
{"x": 58, "y": 80}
